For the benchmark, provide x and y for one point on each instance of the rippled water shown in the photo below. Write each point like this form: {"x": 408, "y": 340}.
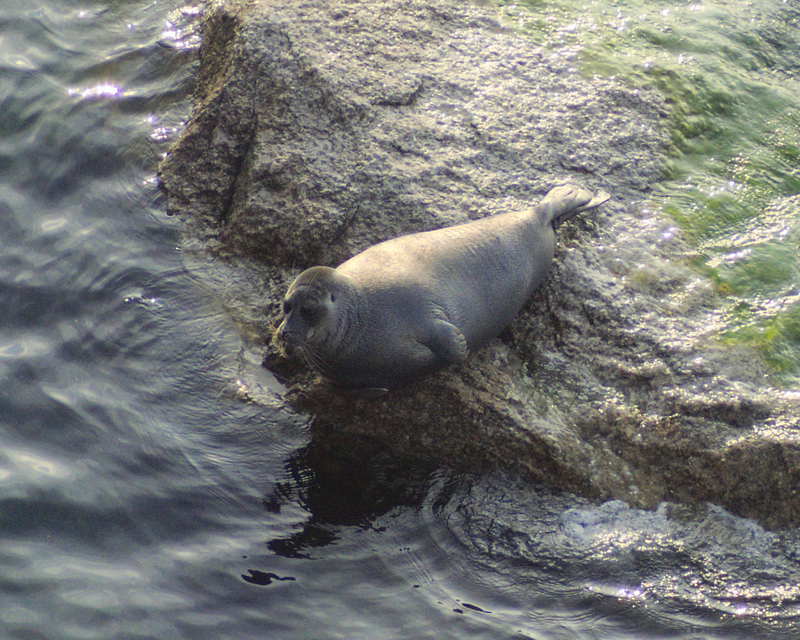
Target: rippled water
{"x": 731, "y": 74}
{"x": 142, "y": 496}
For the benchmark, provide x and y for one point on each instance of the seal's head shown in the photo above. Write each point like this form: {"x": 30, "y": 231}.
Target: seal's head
{"x": 316, "y": 314}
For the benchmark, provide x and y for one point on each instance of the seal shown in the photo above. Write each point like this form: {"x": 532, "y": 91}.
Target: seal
{"x": 409, "y": 306}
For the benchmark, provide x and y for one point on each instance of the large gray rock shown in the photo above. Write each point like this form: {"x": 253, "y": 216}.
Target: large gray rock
{"x": 324, "y": 127}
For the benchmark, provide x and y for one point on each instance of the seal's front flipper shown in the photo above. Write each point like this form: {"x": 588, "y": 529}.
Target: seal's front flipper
{"x": 446, "y": 341}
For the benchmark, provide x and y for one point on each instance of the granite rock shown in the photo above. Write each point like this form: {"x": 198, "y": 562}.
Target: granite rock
{"x": 321, "y": 128}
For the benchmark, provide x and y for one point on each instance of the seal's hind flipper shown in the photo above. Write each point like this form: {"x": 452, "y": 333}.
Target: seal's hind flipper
{"x": 566, "y": 201}
{"x": 599, "y": 197}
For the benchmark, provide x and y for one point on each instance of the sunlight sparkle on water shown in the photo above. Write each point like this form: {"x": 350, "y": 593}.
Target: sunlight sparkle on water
{"x": 99, "y": 91}
{"x": 735, "y": 256}
{"x": 629, "y": 594}
{"x": 26, "y": 464}
{"x": 162, "y": 133}
{"x": 175, "y": 37}
{"x": 53, "y": 224}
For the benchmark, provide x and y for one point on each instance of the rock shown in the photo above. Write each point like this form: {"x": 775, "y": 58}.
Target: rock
{"x": 322, "y": 128}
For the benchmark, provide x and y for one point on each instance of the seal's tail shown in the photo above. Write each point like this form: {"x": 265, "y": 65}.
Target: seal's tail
{"x": 563, "y": 202}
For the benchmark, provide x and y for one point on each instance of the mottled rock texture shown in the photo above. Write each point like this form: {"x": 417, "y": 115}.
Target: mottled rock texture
{"x": 321, "y": 128}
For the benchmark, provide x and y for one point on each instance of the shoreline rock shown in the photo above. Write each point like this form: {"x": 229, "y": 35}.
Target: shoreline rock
{"x": 322, "y": 128}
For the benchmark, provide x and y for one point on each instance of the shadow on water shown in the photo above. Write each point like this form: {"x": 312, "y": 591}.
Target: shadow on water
{"x": 343, "y": 481}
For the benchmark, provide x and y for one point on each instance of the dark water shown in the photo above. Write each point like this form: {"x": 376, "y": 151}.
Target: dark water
{"x": 141, "y": 496}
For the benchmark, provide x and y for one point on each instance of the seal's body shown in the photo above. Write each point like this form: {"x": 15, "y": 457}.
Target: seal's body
{"x": 416, "y": 303}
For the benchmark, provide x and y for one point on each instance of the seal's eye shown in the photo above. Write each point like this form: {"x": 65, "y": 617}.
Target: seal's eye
{"x": 333, "y": 298}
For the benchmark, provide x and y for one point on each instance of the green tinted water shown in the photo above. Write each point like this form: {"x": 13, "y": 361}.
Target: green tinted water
{"x": 730, "y": 72}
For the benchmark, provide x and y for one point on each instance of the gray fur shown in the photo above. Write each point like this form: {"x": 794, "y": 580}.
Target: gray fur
{"x": 416, "y": 303}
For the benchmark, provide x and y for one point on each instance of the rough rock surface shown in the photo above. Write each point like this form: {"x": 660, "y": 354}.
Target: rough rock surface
{"x": 322, "y": 128}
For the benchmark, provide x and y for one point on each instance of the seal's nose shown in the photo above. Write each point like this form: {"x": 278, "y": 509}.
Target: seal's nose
{"x": 283, "y": 339}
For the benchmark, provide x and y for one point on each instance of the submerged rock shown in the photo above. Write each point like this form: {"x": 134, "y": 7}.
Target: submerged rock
{"x": 322, "y": 128}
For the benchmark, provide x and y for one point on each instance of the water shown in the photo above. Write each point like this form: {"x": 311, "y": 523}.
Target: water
{"x": 142, "y": 496}
{"x": 731, "y": 73}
